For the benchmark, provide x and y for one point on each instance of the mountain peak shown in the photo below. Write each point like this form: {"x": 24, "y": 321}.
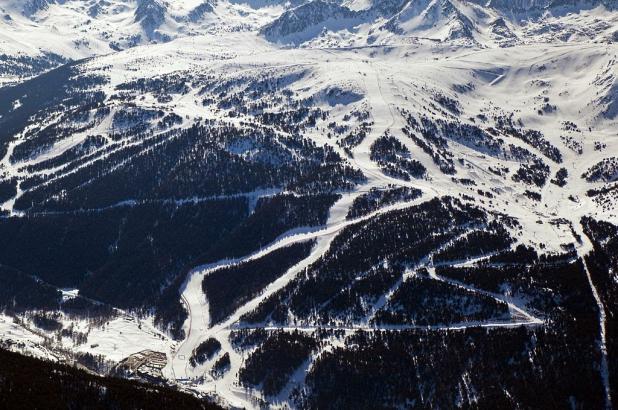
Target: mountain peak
{"x": 34, "y": 6}
{"x": 150, "y": 14}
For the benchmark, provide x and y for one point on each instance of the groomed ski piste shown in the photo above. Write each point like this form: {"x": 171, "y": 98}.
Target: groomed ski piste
{"x": 383, "y": 87}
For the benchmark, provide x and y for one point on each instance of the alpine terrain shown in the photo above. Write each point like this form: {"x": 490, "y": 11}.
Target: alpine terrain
{"x": 311, "y": 204}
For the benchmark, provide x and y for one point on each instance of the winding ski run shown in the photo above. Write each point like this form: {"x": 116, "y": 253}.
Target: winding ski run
{"x": 198, "y": 328}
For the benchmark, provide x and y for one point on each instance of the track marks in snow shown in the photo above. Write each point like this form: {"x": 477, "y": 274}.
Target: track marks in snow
{"x": 604, "y": 365}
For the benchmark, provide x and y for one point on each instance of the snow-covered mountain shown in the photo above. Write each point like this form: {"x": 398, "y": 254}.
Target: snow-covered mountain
{"x": 37, "y": 34}
{"x": 468, "y": 22}
{"x": 315, "y": 204}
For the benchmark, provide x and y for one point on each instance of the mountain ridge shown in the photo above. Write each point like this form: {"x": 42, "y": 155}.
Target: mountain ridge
{"x": 113, "y": 26}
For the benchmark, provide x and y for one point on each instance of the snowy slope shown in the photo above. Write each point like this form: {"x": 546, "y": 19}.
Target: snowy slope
{"x": 410, "y": 128}
{"x": 78, "y": 29}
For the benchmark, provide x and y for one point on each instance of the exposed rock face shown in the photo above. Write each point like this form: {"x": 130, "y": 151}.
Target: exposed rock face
{"x": 198, "y": 12}
{"x": 33, "y": 6}
{"x": 306, "y": 16}
{"x": 150, "y": 14}
{"x": 517, "y": 6}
